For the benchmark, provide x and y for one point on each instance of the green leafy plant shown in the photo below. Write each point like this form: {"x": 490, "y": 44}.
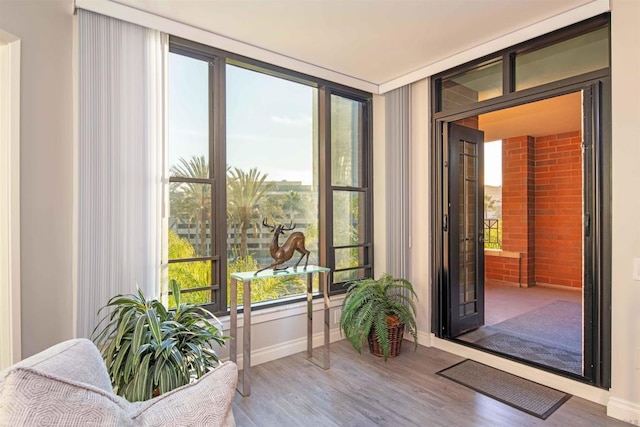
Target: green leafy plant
{"x": 150, "y": 350}
{"x": 373, "y": 306}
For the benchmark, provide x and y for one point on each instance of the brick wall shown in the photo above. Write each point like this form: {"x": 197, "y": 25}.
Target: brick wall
{"x": 541, "y": 211}
{"x": 500, "y": 268}
{"x": 558, "y": 209}
{"x": 518, "y": 223}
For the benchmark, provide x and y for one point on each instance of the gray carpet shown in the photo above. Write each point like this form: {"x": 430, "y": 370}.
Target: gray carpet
{"x": 550, "y": 335}
{"x": 525, "y": 395}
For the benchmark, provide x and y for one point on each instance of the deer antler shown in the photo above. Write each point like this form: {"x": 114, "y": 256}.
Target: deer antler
{"x": 291, "y": 226}
{"x": 264, "y": 222}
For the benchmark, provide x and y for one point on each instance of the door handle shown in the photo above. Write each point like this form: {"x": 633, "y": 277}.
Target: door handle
{"x": 481, "y": 237}
{"x": 445, "y": 223}
{"x": 587, "y": 225}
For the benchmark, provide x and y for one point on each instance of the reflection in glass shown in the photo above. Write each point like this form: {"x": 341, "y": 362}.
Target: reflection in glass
{"x": 189, "y": 220}
{"x": 483, "y": 82}
{"x": 346, "y": 141}
{"x": 188, "y": 116}
{"x": 582, "y": 54}
{"x": 348, "y": 222}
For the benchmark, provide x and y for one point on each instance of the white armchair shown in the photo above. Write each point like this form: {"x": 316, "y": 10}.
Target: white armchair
{"x": 68, "y": 385}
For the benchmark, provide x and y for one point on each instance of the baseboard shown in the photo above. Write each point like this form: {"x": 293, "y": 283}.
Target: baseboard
{"x": 424, "y": 338}
{"x": 277, "y": 351}
{"x": 624, "y": 410}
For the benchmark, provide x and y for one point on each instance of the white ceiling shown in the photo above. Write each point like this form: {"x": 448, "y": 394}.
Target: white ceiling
{"x": 371, "y": 40}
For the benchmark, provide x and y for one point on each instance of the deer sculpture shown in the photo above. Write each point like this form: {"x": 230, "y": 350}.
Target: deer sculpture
{"x": 282, "y": 254}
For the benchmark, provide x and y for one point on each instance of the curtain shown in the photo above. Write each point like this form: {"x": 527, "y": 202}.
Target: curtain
{"x": 120, "y": 163}
{"x": 398, "y": 184}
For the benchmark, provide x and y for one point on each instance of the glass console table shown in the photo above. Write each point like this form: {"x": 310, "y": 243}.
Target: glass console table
{"x": 244, "y": 376}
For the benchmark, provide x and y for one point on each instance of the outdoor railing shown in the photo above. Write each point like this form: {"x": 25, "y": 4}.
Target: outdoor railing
{"x": 492, "y": 233}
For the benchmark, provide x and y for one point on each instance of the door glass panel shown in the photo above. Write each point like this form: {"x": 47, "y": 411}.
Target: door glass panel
{"x": 483, "y": 82}
{"x": 468, "y": 227}
{"x": 579, "y": 55}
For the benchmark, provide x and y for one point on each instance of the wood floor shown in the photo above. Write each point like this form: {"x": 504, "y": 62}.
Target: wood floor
{"x": 363, "y": 390}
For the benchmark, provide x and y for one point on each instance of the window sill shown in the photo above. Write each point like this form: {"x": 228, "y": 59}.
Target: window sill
{"x": 282, "y": 311}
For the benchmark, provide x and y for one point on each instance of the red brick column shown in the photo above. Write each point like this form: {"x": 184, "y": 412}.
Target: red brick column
{"x": 558, "y": 213}
{"x": 518, "y": 203}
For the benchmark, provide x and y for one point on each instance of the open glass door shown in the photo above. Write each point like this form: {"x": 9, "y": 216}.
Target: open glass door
{"x": 465, "y": 229}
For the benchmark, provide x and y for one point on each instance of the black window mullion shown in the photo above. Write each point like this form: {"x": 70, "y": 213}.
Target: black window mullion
{"x": 325, "y": 244}
{"x": 218, "y": 168}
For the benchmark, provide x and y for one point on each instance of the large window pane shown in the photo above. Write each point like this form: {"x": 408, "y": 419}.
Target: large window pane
{"x": 188, "y": 114}
{"x": 189, "y": 220}
{"x": 478, "y": 84}
{"x": 348, "y": 218}
{"x": 582, "y": 54}
{"x": 272, "y": 172}
{"x": 346, "y": 142}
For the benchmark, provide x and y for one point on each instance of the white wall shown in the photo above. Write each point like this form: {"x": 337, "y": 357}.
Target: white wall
{"x": 46, "y": 32}
{"x": 625, "y": 71}
{"x": 10, "y": 332}
{"x": 419, "y": 254}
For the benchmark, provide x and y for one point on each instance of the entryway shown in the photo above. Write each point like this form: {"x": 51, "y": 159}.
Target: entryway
{"x": 519, "y": 248}
{"x": 533, "y": 229}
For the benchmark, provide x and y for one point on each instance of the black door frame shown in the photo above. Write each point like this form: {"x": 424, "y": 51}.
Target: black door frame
{"x": 597, "y": 300}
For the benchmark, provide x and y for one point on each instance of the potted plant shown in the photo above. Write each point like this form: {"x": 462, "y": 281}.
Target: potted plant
{"x": 149, "y": 349}
{"x": 379, "y": 310}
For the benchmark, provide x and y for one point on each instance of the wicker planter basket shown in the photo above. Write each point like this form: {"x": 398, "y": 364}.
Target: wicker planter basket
{"x": 396, "y": 333}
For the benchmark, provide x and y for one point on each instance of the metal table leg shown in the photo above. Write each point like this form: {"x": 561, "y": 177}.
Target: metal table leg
{"x": 244, "y": 379}
{"x": 324, "y": 363}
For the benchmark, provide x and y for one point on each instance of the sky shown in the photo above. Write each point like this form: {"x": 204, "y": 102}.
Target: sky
{"x": 493, "y": 163}
{"x": 269, "y": 120}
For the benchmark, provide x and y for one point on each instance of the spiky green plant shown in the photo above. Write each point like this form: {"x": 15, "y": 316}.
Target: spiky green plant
{"x": 149, "y": 349}
{"x": 369, "y": 305}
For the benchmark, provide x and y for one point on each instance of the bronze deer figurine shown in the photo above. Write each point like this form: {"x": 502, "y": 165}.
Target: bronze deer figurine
{"x": 282, "y": 254}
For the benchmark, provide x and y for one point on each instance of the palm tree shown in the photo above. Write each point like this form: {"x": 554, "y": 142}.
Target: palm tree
{"x": 292, "y": 205}
{"x": 245, "y": 191}
{"x": 191, "y": 202}
{"x": 489, "y": 204}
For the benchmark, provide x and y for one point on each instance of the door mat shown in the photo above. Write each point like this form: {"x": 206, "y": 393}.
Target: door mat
{"x": 527, "y": 396}
{"x": 533, "y": 351}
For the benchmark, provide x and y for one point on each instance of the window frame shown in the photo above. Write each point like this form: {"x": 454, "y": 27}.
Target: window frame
{"x": 508, "y": 57}
{"x": 218, "y": 60}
